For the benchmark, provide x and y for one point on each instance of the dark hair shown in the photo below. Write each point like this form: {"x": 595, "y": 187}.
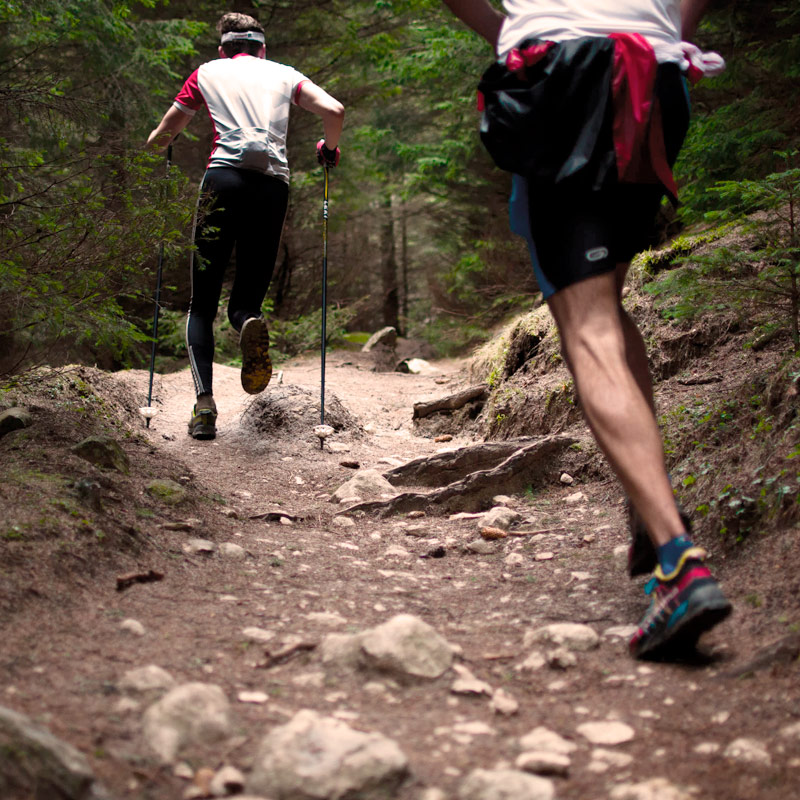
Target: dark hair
{"x": 239, "y": 23}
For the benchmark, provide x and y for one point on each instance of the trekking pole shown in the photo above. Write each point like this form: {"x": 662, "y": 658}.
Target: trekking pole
{"x": 324, "y": 298}
{"x": 148, "y": 412}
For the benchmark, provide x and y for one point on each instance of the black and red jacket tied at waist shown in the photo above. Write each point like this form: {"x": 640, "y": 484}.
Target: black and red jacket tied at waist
{"x": 585, "y": 111}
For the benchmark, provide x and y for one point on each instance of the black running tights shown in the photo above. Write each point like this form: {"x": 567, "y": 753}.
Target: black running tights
{"x": 246, "y": 210}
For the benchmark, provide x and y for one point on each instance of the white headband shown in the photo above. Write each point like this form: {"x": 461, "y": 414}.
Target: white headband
{"x": 242, "y": 36}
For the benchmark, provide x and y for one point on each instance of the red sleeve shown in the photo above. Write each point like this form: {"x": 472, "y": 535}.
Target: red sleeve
{"x": 296, "y": 97}
{"x": 189, "y": 97}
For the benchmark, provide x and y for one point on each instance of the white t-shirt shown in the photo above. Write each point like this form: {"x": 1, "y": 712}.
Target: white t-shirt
{"x": 659, "y": 21}
{"x": 248, "y": 100}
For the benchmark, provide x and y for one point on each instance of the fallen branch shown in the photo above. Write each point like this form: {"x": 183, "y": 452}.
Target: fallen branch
{"x": 534, "y": 533}
{"x": 126, "y": 581}
{"x": 451, "y": 402}
{"x": 286, "y": 654}
{"x": 700, "y": 380}
{"x": 274, "y": 516}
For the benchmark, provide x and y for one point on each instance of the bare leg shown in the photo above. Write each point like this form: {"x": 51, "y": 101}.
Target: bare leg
{"x": 635, "y": 351}
{"x": 606, "y": 355}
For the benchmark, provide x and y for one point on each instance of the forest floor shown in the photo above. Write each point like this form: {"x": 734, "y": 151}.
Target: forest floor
{"x": 64, "y": 652}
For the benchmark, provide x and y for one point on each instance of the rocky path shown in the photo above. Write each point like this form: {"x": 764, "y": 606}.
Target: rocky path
{"x": 294, "y": 651}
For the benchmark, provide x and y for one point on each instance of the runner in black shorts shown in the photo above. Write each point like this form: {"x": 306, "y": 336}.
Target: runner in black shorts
{"x": 246, "y": 184}
{"x": 587, "y": 107}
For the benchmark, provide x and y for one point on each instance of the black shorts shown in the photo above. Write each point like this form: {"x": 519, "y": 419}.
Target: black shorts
{"x": 586, "y": 224}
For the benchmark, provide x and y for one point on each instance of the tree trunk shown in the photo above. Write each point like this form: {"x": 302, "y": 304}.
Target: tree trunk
{"x": 282, "y": 278}
{"x": 404, "y": 269}
{"x": 391, "y": 305}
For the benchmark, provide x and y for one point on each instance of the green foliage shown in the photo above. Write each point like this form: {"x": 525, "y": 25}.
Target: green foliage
{"x": 290, "y": 337}
{"x": 755, "y": 275}
{"x": 76, "y": 242}
{"x": 742, "y": 116}
{"x": 81, "y": 213}
{"x": 450, "y": 335}
{"x": 735, "y": 458}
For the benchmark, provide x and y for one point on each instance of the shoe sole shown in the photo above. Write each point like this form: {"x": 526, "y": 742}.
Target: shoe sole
{"x": 709, "y": 607}
{"x": 203, "y": 432}
{"x": 256, "y": 363}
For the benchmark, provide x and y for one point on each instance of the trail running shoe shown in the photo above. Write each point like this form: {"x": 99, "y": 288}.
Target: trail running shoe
{"x": 684, "y": 605}
{"x": 203, "y": 424}
{"x": 642, "y": 557}
{"x": 256, "y": 364}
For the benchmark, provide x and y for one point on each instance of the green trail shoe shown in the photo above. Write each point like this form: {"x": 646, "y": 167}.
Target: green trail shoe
{"x": 256, "y": 364}
{"x": 203, "y": 424}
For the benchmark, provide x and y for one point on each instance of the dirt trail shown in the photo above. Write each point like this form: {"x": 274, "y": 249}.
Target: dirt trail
{"x": 314, "y": 577}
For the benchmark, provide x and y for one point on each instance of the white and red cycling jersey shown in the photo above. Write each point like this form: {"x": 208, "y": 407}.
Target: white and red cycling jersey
{"x": 248, "y": 100}
{"x": 659, "y": 21}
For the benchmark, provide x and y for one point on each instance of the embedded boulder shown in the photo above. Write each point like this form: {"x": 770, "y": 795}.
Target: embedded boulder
{"x": 321, "y": 758}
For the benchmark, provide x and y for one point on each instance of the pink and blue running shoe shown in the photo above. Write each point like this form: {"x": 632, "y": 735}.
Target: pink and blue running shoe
{"x": 684, "y": 605}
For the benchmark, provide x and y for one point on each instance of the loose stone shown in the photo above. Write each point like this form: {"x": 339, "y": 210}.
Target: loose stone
{"x": 505, "y": 784}
{"x": 748, "y": 751}
{"x": 314, "y": 757}
{"x": 195, "y": 547}
{"x": 193, "y": 713}
{"x": 543, "y": 739}
{"x": 147, "y": 679}
{"x": 258, "y": 634}
{"x": 468, "y": 684}
{"x": 607, "y": 732}
{"x": 132, "y": 626}
{"x": 226, "y": 781}
{"x": 481, "y": 547}
{"x": 500, "y": 517}
{"x": 504, "y": 703}
{"x": 256, "y": 698}
{"x": 542, "y": 762}
{"x": 571, "y": 635}
{"x": 575, "y": 497}
{"x": 655, "y": 789}
{"x": 232, "y": 551}
{"x": 408, "y": 647}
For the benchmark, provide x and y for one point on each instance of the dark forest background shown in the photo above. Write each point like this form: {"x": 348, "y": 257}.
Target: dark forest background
{"x": 419, "y": 232}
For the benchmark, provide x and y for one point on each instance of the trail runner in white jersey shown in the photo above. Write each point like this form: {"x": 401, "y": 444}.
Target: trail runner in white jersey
{"x": 246, "y": 183}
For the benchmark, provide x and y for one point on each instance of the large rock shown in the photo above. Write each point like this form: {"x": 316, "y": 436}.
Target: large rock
{"x": 13, "y": 419}
{"x": 385, "y": 337}
{"x": 34, "y": 763}
{"x": 321, "y": 758}
{"x": 364, "y": 484}
{"x": 190, "y": 714}
{"x": 407, "y": 647}
{"x": 505, "y": 784}
{"x": 102, "y": 451}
